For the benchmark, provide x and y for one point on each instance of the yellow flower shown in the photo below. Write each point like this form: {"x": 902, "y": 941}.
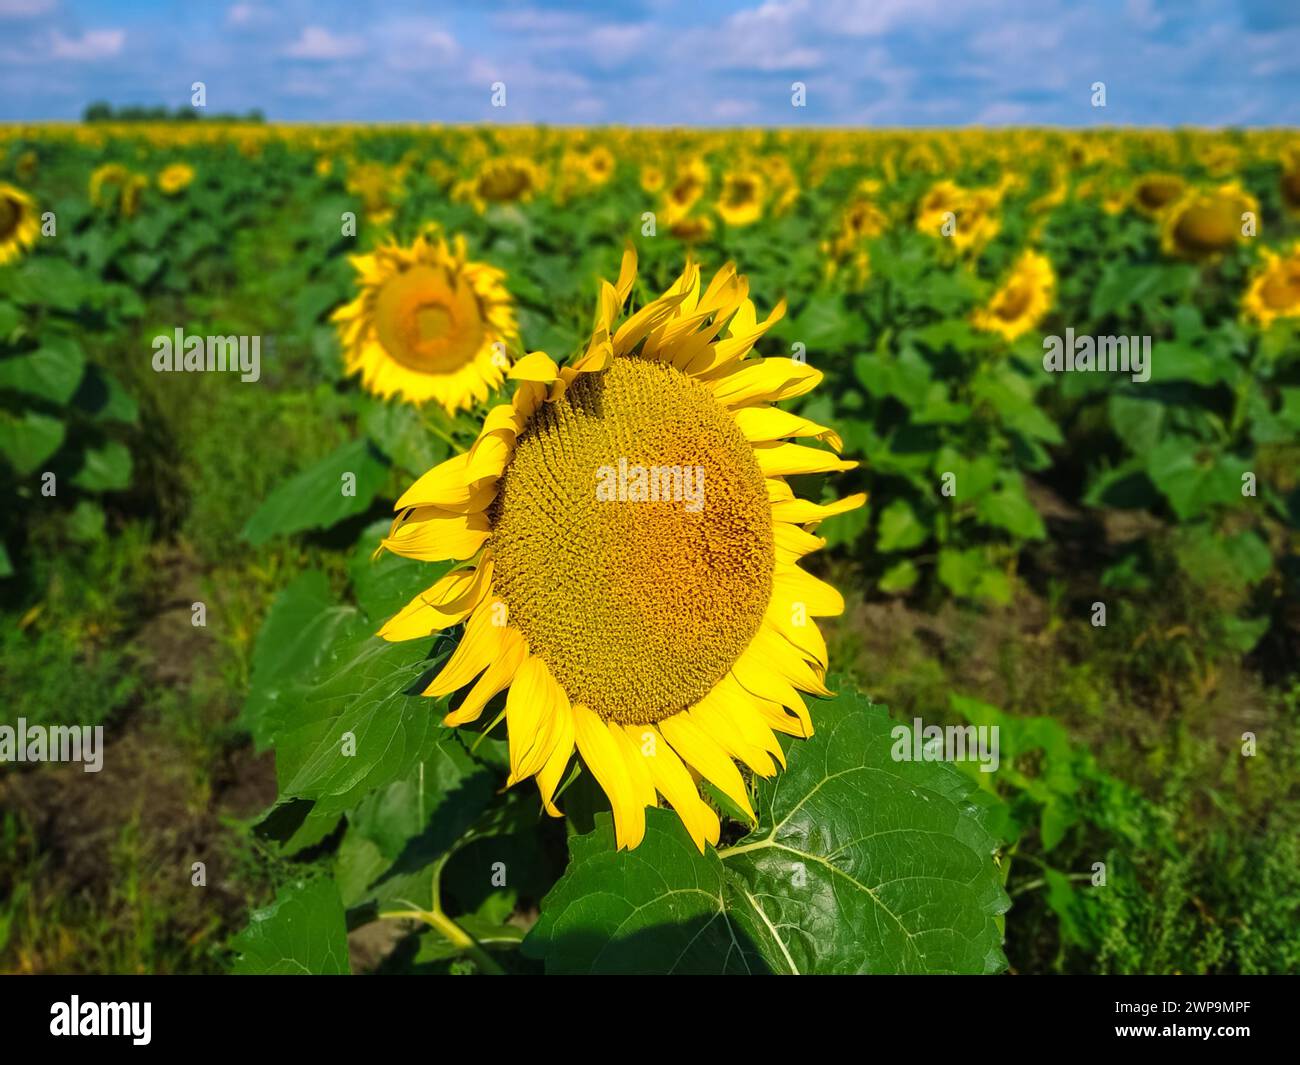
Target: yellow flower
{"x": 692, "y": 228}
{"x": 109, "y": 176}
{"x": 1274, "y": 290}
{"x": 378, "y": 186}
{"x": 652, "y": 178}
{"x": 428, "y": 324}
{"x": 18, "y": 225}
{"x": 175, "y": 178}
{"x": 1023, "y": 300}
{"x": 498, "y": 181}
{"x": 1290, "y": 181}
{"x": 740, "y": 203}
{"x": 132, "y": 189}
{"x": 688, "y": 185}
{"x": 1203, "y": 225}
{"x": 664, "y": 629}
{"x": 966, "y": 217}
{"x": 1151, "y": 194}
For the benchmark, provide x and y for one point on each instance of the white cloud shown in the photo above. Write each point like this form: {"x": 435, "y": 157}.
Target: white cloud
{"x": 93, "y": 44}
{"x": 245, "y": 15}
{"x": 316, "y": 42}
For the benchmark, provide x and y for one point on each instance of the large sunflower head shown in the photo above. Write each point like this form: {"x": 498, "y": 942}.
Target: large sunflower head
{"x": 630, "y": 553}
{"x": 18, "y": 225}
{"x": 1023, "y": 300}
{"x": 1274, "y": 290}
{"x": 428, "y": 324}
{"x": 1205, "y": 224}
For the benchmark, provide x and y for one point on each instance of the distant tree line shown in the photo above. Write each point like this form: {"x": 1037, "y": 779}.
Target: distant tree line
{"x": 102, "y": 111}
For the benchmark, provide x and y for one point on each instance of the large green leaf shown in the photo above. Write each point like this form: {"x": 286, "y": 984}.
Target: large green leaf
{"x": 859, "y": 864}
{"x": 295, "y": 639}
{"x": 360, "y": 728}
{"x": 302, "y": 932}
{"x": 52, "y": 372}
{"x": 316, "y": 498}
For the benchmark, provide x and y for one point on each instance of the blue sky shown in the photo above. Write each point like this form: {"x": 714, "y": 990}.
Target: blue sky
{"x": 665, "y": 62}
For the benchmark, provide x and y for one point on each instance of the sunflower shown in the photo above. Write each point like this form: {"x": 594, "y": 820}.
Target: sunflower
{"x": 428, "y": 323}
{"x": 1152, "y": 193}
{"x": 500, "y": 181}
{"x": 175, "y": 178}
{"x": 662, "y": 639}
{"x": 1203, "y": 225}
{"x": 741, "y": 201}
{"x": 1022, "y": 301}
{"x": 1274, "y": 290}
{"x": 18, "y": 226}
{"x": 110, "y": 176}
{"x": 1290, "y": 181}
{"x": 688, "y": 185}
{"x": 964, "y": 216}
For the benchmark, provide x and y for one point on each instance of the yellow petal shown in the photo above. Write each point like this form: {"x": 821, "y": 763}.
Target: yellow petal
{"x": 763, "y": 424}
{"x": 673, "y": 781}
{"x": 800, "y": 511}
{"x": 783, "y": 460}
{"x": 441, "y": 606}
{"x": 714, "y": 718}
{"x": 792, "y": 542}
{"x": 481, "y": 643}
{"x": 496, "y": 678}
{"x": 794, "y": 585}
{"x": 707, "y": 758}
{"x": 605, "y": 760}
{"x": 538, "y": 367}
{"x": 434, "y": 535}
{"x": 764, "y": 381}
{"x": 548, "y": 779}
{"x": 532, "y": 707}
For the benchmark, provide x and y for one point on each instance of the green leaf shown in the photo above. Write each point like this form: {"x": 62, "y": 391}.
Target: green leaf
{"x": 860, "y": 863}
{"x": 398, "y": 432}
{"x": 316, "y": 498}
{"x": 900, "y": 577}
{"x": 301, "y": 626}
{"x": 29, "y": 440}
{"x": 302, "y": 932}
{"x": 1137, "y": 421}
{"x": 900, "y": 530}
{"x": 445, "y": 793}
{"x": 52, "y": 372}
{"x": 105, "y": 469}
{"x": 364, "y": 726}
{"x": 10, "y": 316}
{"x": 1009, "y": 508}
{"x": 1192, "y": 477}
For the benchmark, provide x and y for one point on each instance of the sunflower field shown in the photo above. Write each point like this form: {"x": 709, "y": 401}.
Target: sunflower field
{"x": 519, "y": 550}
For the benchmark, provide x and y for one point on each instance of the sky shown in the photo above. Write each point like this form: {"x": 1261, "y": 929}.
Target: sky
{"x": 887, "y": 63}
